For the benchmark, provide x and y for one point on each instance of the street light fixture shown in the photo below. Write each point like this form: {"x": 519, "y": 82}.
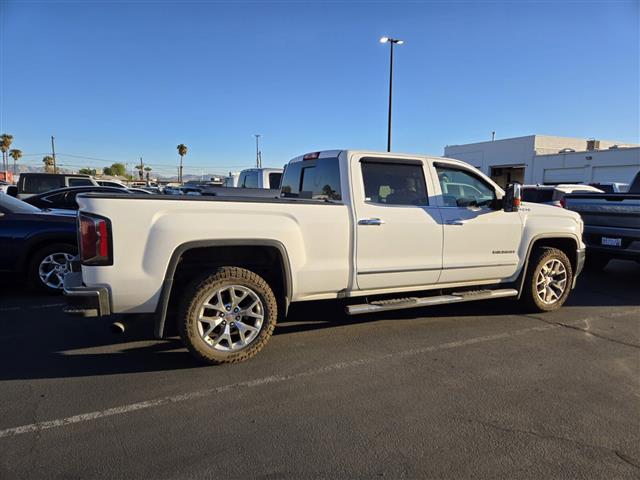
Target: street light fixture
{"x": 391, "y": 42}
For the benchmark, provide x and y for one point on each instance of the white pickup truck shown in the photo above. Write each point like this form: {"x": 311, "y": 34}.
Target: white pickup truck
{"x": 376, "y": 231}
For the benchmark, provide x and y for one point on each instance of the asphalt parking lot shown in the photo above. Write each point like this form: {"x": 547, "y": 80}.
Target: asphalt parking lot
{"x": 465, "y": 391}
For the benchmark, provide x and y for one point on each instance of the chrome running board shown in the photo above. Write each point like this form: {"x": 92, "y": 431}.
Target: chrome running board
{"x": 415, "y": 302}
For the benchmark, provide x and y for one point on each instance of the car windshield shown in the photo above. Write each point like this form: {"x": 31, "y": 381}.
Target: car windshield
{"x": 13, "y": 205}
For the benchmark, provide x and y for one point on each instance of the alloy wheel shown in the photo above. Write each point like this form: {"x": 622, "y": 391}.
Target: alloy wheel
{"x": 230, "y": 318}
{"x": 551, "y": 281}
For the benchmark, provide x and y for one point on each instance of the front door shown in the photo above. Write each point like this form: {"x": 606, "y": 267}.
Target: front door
{"x": 480, "y": 243}
{"x": 398, "y": 231}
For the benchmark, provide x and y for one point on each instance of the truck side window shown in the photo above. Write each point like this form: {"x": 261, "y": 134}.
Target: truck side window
{"x": 394, "y": 183}
{"x": 274, "y": 179}
{"x": 79, "y": 182}
{"x": 41, "y": 184}
{"x": 250, "y": 180}
{"x": 312, "y": 179}
{"x": 461, "y": 188}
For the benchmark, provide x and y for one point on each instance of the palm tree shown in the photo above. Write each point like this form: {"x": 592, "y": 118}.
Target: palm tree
{"x": 16, "y": 155}
{"x": 48, "y": 163}
{"x": 148, "y": 170}
{"x": 5, "y": 143}
{"x": 182, "y": 151}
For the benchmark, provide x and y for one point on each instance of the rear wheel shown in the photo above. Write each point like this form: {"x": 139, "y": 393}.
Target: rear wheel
{"x": 49, "y": 265}
{"x": 227, "y": 316}
{"x": 548, "y": 280}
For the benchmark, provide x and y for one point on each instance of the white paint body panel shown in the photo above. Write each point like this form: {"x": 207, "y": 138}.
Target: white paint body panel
{"x": 327, "y": 251}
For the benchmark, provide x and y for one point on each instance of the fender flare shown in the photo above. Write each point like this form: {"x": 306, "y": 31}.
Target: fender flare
{"x": 523, "y": 272}
{"x": 160, "y": 314}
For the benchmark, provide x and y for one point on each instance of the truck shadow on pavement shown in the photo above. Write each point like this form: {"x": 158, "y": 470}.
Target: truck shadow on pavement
{"x": 38, "y": 341}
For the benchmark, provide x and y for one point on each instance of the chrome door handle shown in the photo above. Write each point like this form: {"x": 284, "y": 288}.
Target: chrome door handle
{"x": 456, "y": 221}
{"x": 371, "y": 221}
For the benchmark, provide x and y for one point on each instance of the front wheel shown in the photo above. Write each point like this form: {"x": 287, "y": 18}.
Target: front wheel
{"x": 227, "y": 316}
{"x": 548, "y": 280}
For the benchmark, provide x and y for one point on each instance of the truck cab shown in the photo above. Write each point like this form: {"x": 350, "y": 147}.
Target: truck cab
{"x": 31, "y": 184}
{"x": 266, "y": 178}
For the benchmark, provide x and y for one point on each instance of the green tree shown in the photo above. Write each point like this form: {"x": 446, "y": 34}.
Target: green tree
{"x": 48, "y": 163}
{"x": 16, "y": 155}
{"x": 148, "y": 174}
{"x": 182, "y": 151}
{"x": 5, "y": 143}
{"x": 87, "y": 171}
{"x": 107, "y": 171}
{"x": 119, "y": 169}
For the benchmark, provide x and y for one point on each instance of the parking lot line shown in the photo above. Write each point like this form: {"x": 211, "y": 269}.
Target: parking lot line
{"x": 124, "y": 409}
{"x": 32, "y": 307}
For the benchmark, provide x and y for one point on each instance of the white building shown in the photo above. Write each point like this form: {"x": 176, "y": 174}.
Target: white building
{"x": 550, "y": 160}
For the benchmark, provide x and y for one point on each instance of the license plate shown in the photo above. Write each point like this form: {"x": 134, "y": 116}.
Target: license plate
{"x": 612, "y": 242}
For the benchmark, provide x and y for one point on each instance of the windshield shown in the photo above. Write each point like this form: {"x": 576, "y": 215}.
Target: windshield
{"x": 13, "y": 205}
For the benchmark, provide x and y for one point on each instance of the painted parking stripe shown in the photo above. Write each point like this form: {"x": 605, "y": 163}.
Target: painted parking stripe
{"x": 133, "y": 407}
{"x": 32, "y": 307}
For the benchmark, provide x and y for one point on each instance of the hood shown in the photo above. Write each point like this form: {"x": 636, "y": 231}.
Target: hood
{"x": 551, "y": 211}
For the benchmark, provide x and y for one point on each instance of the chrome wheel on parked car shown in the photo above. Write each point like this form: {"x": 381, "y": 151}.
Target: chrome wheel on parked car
{"x": 53, "y": 268}
{"x": 551, "y": 281}
{"x": 231, "y": 318}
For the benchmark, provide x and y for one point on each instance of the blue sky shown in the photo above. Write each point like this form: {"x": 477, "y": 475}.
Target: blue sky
{"x": 117, "y": 80}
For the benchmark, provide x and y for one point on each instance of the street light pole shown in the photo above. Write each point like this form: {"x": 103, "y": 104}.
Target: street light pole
{"x": 53, "y": 154}
{"x": 391, "y": 42}
{"x": 258, "y": 162}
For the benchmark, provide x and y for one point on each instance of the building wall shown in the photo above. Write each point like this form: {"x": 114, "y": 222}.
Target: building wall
{"x": 618, "y": 165}
{"x": 526, "y": 151}
{"x": 517, "y": 151}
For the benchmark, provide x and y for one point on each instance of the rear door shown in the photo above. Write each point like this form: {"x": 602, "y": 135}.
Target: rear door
{"x": 398, "y": 225}
{"x": 480, "y": 242}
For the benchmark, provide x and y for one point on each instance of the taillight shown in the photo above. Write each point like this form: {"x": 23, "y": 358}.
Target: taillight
{"x": 311, "y": 156}
{"x": 563, "y": 203}
{"x": 95, "y": 240}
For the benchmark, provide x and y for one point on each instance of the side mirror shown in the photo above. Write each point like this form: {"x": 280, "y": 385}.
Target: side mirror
{"x": 12, "y": 190}
{"x": 512, "y": 198}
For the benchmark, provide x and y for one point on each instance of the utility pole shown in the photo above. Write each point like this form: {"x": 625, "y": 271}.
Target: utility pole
{"x": 141, "y": 169}
{"x": 258, "y": 156}
{"x": 53, "y": 153}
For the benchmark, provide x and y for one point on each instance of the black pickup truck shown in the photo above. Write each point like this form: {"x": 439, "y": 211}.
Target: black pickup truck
{"x": 611, "y": 224}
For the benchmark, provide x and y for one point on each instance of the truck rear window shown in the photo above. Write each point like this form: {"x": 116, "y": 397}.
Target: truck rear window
{"x": 41, "y": 184}
{"x": 312, "y": 179}
{"x": 535, "y": 195}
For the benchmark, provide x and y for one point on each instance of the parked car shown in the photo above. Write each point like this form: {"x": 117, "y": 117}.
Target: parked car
{"x": 611, "y": 187}
{"x": 143, "y": 191}
{"x": 232, "y": 179}
{"x": 65, "y": 198}
{"x": 110, "y": 183}
{"x": 36, "y": 245}
{"x": 553, "y": 194}
{"x": 612, "y": 224}
{"x": 31, "y": 184}
{"x": 370, "y": 229}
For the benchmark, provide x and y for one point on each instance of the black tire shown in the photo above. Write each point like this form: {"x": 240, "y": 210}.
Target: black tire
{"x": 530, "y": 297}
{"x": 33, "y": 275}
{"x": 596, "y": 262}
{"x": 201, "y": 291}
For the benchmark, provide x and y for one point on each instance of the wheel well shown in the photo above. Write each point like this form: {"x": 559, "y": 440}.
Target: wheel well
{"x": 25, "y": 261}
{"x": 267, "y": 261}
{"x": 567, "y": 245}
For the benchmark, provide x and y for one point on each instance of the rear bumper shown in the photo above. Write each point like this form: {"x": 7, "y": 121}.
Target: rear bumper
{"x": 629, "y": 238}
{"x": 85, "y": 301}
